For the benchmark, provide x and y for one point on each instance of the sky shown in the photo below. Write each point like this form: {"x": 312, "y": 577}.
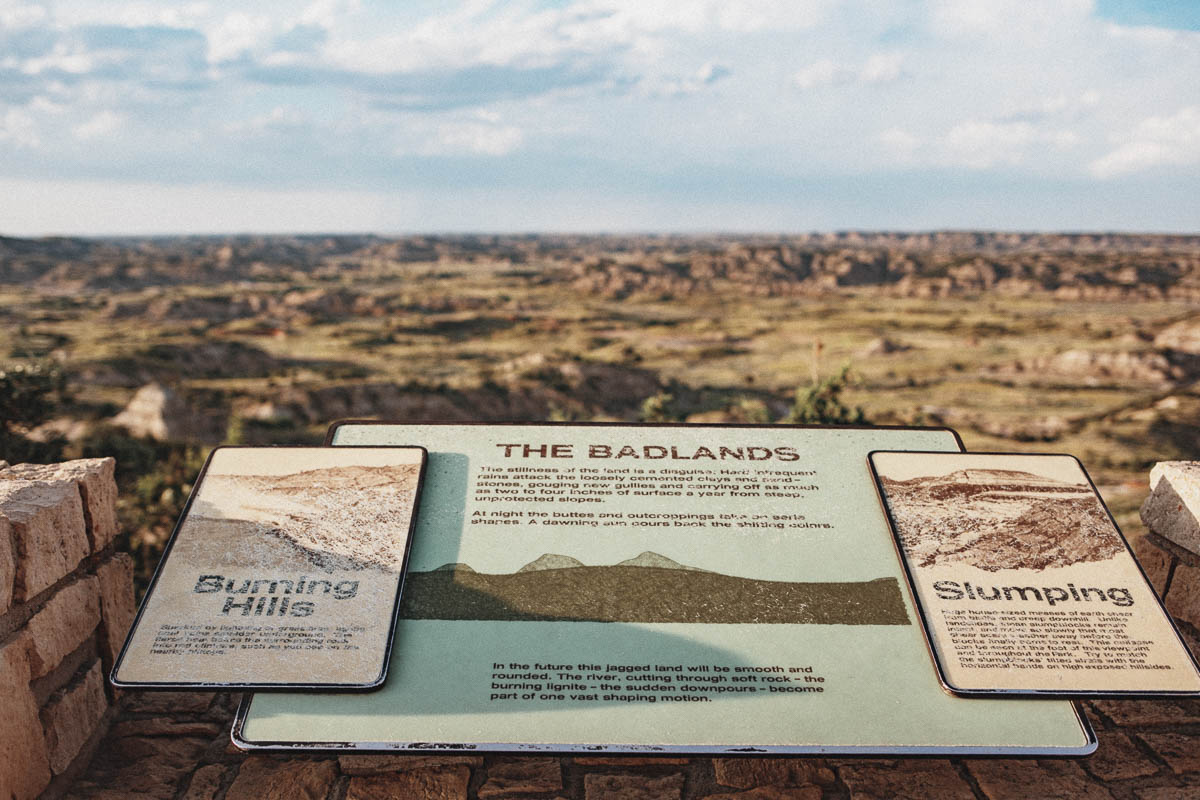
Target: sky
{"x": 598, "y": 116}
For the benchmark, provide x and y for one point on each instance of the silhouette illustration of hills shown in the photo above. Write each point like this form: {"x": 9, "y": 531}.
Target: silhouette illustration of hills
{"x": 551, "y": 561}
{"x": 647, "y": 588}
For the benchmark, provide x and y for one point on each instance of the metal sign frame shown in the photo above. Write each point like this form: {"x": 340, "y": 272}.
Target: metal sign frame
{"x": 1077, "y": 738}
{"x": 937, "y": 655}
{"x": 298, "y": 685}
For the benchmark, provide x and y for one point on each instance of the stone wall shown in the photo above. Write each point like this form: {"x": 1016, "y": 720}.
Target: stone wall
{"x": 66, "y": 602}
{"x": 1170, "y": 553}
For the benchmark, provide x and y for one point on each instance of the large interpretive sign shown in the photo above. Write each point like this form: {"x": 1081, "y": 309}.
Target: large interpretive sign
{"x": 1024, "y": 583}
{"x": 284, "y": 571}
{"x": 631, "y": 588}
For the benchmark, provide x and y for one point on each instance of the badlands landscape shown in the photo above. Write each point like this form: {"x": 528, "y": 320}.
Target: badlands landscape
{"x": 153, "y": 350}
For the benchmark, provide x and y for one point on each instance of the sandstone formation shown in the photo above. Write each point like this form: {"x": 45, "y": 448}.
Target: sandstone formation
{"x": 157, "y": 412}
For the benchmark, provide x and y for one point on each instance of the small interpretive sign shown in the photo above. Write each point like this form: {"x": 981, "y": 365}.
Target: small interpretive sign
{"x": 284, "y": 571}
{"x": 1024, "y": 583}
{"x": 656, "y": 589}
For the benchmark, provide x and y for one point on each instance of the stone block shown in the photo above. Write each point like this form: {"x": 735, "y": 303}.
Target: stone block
{"x": 1155, "y": 561}
{"x": 906, "y": 781}
{"x": 97, "y": 488}
{"x": 1139, "y": 713}
{"x": 267, "y": 779}
{"x": 8, "y": 565}
{"x": 70, "y": 720}
{"x": 164, "y": 726}
{"x": 1177, "y": 749}
{"x": 87, "y": 790}
{"x": 747, "y": 773}
{"x": 1168, "y": 793}
{"x": 168, "y": 702}
{"x": 1183, "y": 598}
{"x": 1173, "y": 507}
{"x": 24, "y": 762}
{"x": 520, "y": 777}
{"x": 205, "y": 783}
{"x": 117, "y": 607}
{"x": 90, "y": 791}
{"x": 146, "y": 766}
{"x": 67, "y": 620}
{"x": 380, "y": 764}
{"x": 1055, "y": 780}
{"x": 628, "y": 761}
{"x": 48, "y": 530}
{"x": 808, "y": 792}
{"x": 632, "y": 787}
{"x": 442, "y": 783}
{"x": 1117, "y": 759}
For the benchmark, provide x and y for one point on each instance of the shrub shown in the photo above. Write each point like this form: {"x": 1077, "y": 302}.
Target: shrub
{"x": 30, "y": 394}
{"x": 821, "y": 404}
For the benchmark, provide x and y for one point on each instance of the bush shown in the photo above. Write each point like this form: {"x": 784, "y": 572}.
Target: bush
{"x": 30, "y": 394}
{"x": 821, "y": 404}
{"x": 658, "y": 408}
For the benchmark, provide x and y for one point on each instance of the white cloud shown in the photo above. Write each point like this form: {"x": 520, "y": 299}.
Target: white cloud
{"x": 1149, "y": 35}
{"x": 706, "y": 76}
{"x": 18, "y": 127}
{"x": 822, "y": 73}
{"x": 65, "y": 57}
{"x": 278, "y": 118}
{"x": 757, "y": 15}
{"x": 878, "y": 69}
{"x": 17, "y": 15}
{"x": 131, "y": 14}
{"x": 45, "y": 105}
{"x": 744, "y": 16}
{"x": 237, "y": 34}
{"x": 498, "y": 34}
{"x": 1156, "y": 142}
{"x": 474, "y": 138}
{"x": 1058, "y": 106}
{"x": 899, "y": 143}
{"x": 1001, "y": 18}
{"x": 327, "y": 13}
{"x": 103, "y": 124}
{"x": 882, "y": 68}
{"x": 983, "y": 144}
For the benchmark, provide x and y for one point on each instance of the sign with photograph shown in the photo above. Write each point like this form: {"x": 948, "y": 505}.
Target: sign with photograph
{"x": 284, "y": 571}
{"x": 1024, "y": 583}
{"x": 650, "y": 588}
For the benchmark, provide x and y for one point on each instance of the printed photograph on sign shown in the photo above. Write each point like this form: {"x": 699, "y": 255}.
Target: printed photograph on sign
{"x": 1023, "y": 581}
{"x": 285, "y": 570}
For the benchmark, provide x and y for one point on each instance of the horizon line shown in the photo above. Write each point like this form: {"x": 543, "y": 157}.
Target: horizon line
{"x": 600, "y": 233}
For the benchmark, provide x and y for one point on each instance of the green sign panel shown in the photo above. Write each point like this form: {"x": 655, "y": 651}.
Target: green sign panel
{"x": 631, "y": 588}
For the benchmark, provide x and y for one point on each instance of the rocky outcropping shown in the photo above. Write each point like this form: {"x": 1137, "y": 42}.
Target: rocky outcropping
{"x": 925, "y": 264}
{"x": 1096, "y": 368}
{"x": 157, "y": 412}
